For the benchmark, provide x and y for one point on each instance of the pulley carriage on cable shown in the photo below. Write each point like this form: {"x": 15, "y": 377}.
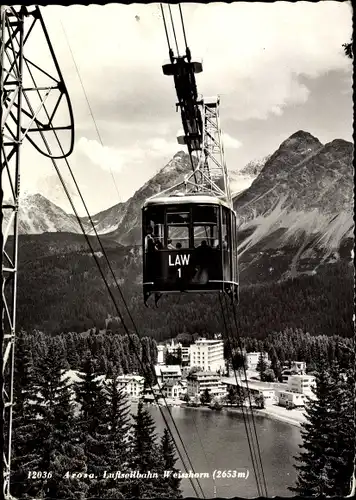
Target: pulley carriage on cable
{"x": 189, "y": 230}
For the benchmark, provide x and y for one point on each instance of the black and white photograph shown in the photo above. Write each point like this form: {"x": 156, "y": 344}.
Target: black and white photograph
{"x": 178, "y": 250}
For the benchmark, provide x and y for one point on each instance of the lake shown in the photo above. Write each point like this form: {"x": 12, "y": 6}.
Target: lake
{"x": 218, "y": 441}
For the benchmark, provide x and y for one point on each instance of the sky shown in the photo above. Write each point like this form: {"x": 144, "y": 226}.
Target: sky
{"x": 278, "y": 68}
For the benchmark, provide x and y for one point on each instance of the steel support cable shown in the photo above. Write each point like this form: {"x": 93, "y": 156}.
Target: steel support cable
{"x": 181, "y": 17}
{"x": 169, "y": 47}
{"x": 203, "y": 449}
{"x": 192, "y": 163}
{"x": 139, "y": 336}
{"x": 119, "y": 288}
{"x": 256, "y": 468}
{"x": 128, "y": 333}
{"x": 130, "y": 338}
{"x": 252, "y": 414}
{"x": 165, "y": 28}
{"x": 89, "y": 106}
{"x": 98, "y": 133}
{"x": 173, "y": 28}
{"x": 245, "y": 418}
{"x": 248, "y": 395}
{"x": 110, "y": 292}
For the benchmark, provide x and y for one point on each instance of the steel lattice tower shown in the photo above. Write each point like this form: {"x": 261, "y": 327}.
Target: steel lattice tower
{"x": 32, "y": 97}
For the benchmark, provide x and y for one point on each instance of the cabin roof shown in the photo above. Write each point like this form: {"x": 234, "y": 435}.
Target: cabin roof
{"x": 194, "y": 199}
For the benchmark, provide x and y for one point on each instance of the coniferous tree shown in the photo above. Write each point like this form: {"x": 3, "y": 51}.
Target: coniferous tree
{"x": 60, "y": 454}
{"x": 118, "y": 440}
{"x": 26, "y": 455}
{"x": 168, "y": 460}
{"x": 92, "y": 423}
{"x": 261, "y": 365}
{"x": 145, "y": 453}
{"x": 342, "y": 435}
{"x": 314, "y": 469}
{"x": 232, "y": 396}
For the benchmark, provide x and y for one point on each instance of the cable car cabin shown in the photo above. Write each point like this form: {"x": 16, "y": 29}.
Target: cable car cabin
{"x": 189, "y": 245}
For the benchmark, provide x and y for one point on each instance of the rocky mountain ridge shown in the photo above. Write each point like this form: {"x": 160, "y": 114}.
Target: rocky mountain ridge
{"x": 302, "y": 198}
{"x": 300, "y": 205}
{"x": 37, "y": 214}
{"x": 295, "y": 244}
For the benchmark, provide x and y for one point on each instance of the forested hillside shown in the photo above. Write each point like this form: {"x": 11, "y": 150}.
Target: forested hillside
{"x": 71, "y": 437}
{"x": 294, "y": 243}
{"x": 62, "y": 293}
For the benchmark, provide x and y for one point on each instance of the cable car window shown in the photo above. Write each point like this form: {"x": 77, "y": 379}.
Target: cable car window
{"x": 154, "y": 228}
{"x": 177, "y": 237}
{"x": 178, "y": 218}
{"x": 208, "y": 233}
{"x": 178, "y": 215}
{"x": 205, "y": 214}
{"x": 205, "y": 225}
{"x": 225, "y": 230}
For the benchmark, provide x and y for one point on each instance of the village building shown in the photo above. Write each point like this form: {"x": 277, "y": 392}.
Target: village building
{"x": 173, "y": 389}
{"x": 302, "y": 384}
{"x": 253, "y": 357}
{"x": 198, "y": 382}
{"x": 298, "y": 367}
{"x": 291, "y": 399}
{"x": 167, "y": 372}
{"x": 133, "y": 385}
{"x": 255, "y": 389}
{"x": 208, "y": 355}
{"x": 160, "y": 354}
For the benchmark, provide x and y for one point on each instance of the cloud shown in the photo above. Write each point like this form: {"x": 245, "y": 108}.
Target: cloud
{"x": 255, "y": 56}
{"x": 254, "y": 60}
{"x": 230, "y": 142}
{"x": 107, "y": 158}
{"x": 158, "y": 146}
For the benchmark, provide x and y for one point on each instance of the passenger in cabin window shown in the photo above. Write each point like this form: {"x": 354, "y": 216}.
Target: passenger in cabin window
{"x": 202, "y": 261}
{"x": 178, "y": 245}
{"x": 170, "y": 246}
{"x": 158, "y": 244}
{"x": 149, "y": 240}
{"x": 225, "y": 243}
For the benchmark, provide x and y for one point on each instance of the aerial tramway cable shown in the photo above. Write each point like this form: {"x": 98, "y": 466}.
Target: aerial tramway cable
{"x": 129, "y": 335}
{"x": 248, "y": 392}
{"x": 181, "y": 17}
{"x": 96, "y": 127}
{"x": 191, "y": 157}
{"x": 110, "y": 292}
{"x": 255, "y": 455}
{"x": 104, "y": 249}
{"x": 245, "y": 417}
{"x": 173, "y": 28}
{"x": 258, "y": 453}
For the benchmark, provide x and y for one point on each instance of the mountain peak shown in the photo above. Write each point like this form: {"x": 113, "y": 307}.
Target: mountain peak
{"x": 340, "y": 145}
{"x": 301, "y": 140}
{"x": 302, "y": 134}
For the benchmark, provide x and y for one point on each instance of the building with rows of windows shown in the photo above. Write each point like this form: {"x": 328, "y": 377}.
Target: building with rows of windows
{"x": 198, "y": 382}
{"x": 208, "y": 355}
{"x": 132, "y": 384}
{"x": 302, "y": 384}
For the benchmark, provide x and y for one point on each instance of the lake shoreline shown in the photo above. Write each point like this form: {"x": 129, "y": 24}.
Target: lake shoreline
{"x": 274, "y": 412}
{"x": 266, "y": 413}
{"x": 287, "y": 419}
